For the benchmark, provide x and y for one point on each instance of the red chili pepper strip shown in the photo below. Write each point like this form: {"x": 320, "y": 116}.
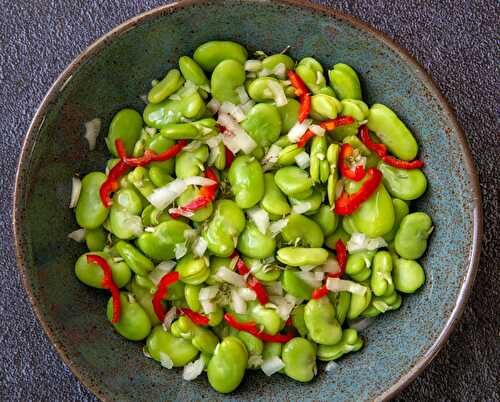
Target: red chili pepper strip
{"x": 229, "y": 157}
{"x": 398, "y": 163}
{"x": 305, "y": 107}
{"x": 240, "y": 264}
{"x": 112, "y": 183}
{"x": 251, "y": 328}
{"x": 306, "y": 137}
{"x": 207, "y": 195}
{"x": 358, "y": 173}
{"x": 197, "y": 318}
{"x": 288, "y": 322}
{"x": 341, "y": 250}
{"x": 151, "y": 156}
{"x": 297, "y": 83}
{"x": 161, "y": 292}
{"x": 381, "y": 151}
{"x": 330, "y": 125}
{"x": 348, "y": 203}
{"x": 254, "y": 284}
{"x": 108, "y": 283}
{"x": 320, "y": 292}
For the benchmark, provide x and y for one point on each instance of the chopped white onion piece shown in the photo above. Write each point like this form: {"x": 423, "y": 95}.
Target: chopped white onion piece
{"x": 331, "y": 265}
{"x": 260, "y": 218}
{"x": 277, "y": 226}
{"x": 309, "y": 278}
{"x": 235, "y": 111}
{"x": 212, "y": 142}
{"x": 163, "y": 196}
{"x": 133, "y": 223}
{"x": 331, "y": 366}
{"x": 339, "y": 285}
{"x": 361, "y": 324}
{"x": 199, "y": 246}
{"x": 247, "y": 294}
{"x": 278, "y": 93}
{"x": 251, "y": 75}
{"x": 242, "y": 94}
{"x": 166, "y": 361}
{"x": 302, "y": 160}
{"x": 193, "y": 144}
{"x": 255, "y": 361}
{"x": 237, "y": 138}
{"x": 253, "y": 65}
{"x": 280, "y": 71}
{"x": 77, "y": 235}
{"x": 298, "y": 130}
{"x": 169, "y": 318}
{"x": 247, "y": 106}
{"x": 238, "y": 304}
{"x": 292, "y": 299}
{"x": 180, "y": 250}
{"x": 321, "y": 156}
{"x": 272, "y": 365}
{"x": 284, "y": 307}
{"x": 92, "y": 129}
{"x": 213, "y": 105}
{"x": 230, "y": 277}
{"x": 271, "y": 157}
{"x": 194, "y": 369}
{"x": 318, "y": 130}
{"x": 359, "y": 241}
{"x": 208, "y": 293}
{"x": 208, "y": 306}
{"x": 161, "y": 269}
{"x": 264, "y": 73}
{"x": 199, "y": 181}
{"x": 319, "y": 276}
{"x": 144, "y": 98}
{"x": 274, "y": 288}
{"x": 301, "y": 207}
{"x": 76, "y": 188}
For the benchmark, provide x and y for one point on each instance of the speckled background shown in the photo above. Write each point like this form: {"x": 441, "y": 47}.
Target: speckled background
{"x": 453, "y": 40}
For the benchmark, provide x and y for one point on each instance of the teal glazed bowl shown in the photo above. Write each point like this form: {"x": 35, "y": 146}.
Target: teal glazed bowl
{"x": 113, "y": 72}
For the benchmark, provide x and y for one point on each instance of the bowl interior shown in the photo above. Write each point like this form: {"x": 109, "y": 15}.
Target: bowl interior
{"x": 115, "y": 72}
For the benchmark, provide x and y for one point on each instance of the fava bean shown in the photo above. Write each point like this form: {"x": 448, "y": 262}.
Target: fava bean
{"x": 134, "y": 323}
{"x": 324, "y": 107}
{"x": 404, "y": 184}
{"x": 295, "y": 286}
{"x": 263, "y": 124}
{"x": 210, "y": 54}
{"x": 95, "y": 239}
{"x": 226, "y": 77}
{"x": 193, "y": 270}
{"x": 350, "y": 342}
{"x": 92, "y": 274}
{"x": 247, "y": 181}
{"x": 401, "y": 209}
{"x": 326, "y": 219}
{"x": 166, "y": 87}
{"x": 381, "y": 279}
{"x": 253, "y": 243}
{"x": 293, "y": 180}
{"x": 274, "y": 201}
{"x": 345, "y": 82}
{"x": 299, "y": 356}
{"x": 90, "y": 212}
{"x": 322, "y": 326}
{"x": 178, "y": 349}
{"x": 138, "y": 262}
{"x": 126, "y": 125}
{"x": 411, "y": 238}
{"x": 191, "y": 71}
{"x": 228, "y": 364}
{"x": 408, "y": 275}
{"x": 392, "y": 132}
{"x": 289, "y": 115}
{"x": 300, "y": 256}
{"x": 160, "y": 244}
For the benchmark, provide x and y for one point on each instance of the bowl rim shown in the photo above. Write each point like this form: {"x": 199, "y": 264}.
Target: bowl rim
{"x": 104, "y": 40}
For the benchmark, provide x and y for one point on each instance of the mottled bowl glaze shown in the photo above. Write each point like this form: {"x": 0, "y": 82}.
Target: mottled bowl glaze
{"x": 113, "y": 72}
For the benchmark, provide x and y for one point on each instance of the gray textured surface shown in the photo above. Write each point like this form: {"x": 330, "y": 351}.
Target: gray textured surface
{"x": 453, "y": 40}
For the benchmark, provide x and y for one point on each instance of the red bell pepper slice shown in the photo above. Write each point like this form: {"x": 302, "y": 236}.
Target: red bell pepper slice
{"x": 348, "y": 203}
{"x": 151, "y": 156}
{"x": 305, "y": 107}
{"x": 305, "y": 138}
{"x": 108, "y": 283}
{"x": 161, "y": 292}
{"x": 207, "y": 195}
{"x": 112, "y": 183}
{"x": 254, "y": 284}
{"x": 251, "y": 328}
{"x": 297, "y": 83}
{"x": 358, "y": 173}
{"x": 229, "y": 157}
{"x": 330, "y": 125}
{"x": 381, "y": 151}
{"x": 342, "y": 259}
{"x": 320, "y": 292}
{"x": 197, "y": 318}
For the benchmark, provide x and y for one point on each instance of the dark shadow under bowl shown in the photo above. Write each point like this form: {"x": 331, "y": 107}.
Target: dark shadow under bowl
{"x": 113, "y": 72}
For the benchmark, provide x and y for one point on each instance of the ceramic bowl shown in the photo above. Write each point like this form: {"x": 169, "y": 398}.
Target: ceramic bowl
{"x": 113, "y": 72}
